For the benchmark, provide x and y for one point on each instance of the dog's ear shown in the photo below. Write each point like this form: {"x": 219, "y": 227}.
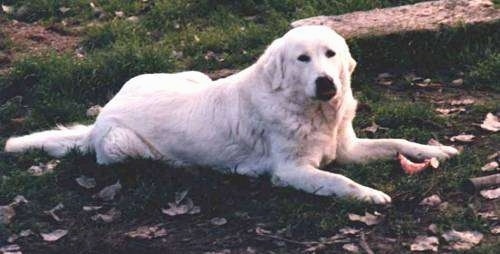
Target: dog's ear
{"x": 347, "y": 70}
{"x": 272, "y": 62}
{"x": 352, "y": 64}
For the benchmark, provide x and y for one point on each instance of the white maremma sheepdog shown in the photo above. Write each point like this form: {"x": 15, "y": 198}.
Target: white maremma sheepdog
{"x": 287, "y": 115}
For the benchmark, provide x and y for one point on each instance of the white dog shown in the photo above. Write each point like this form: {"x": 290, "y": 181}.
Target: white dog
{"x": 286, "y": 115}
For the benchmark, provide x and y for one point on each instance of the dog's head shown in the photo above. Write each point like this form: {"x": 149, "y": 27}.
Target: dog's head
{"x": 313, "y": 60}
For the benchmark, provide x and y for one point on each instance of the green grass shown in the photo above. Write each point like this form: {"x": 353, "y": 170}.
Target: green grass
{"x": 58, "y": 88}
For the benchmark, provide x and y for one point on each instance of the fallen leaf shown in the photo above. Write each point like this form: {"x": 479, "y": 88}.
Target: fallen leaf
{"x": 349, "y": 231}
{"x": 490, "y": 166}
{"x": 433, "y": 228}
{"x": 461, "y": 102}
{"x": 89, "y": 208}
{"x": 374, "y": 128}
{"x": 23, "y": 233}
{"x": 119, "y": 14}
{"x": 108, "y": 193}
{"x": 147, "y": 232}
{"x": 494, "y": 155}
{"x": 54, "y": 235}
{"x": 218, "y": 221}
{"x": 86, "y": 182}
{"x": 489, "y": 215}
{"x": 462, "y": 240}
{"x": 93, "y": 111}
{"x": 42, "y": 169}
{"x": 108, "y": 217}
{"x": 495, "y": 230}
{"x": 448, "y": 111}
{"x": 19, "y": 199}
{"x": 64, "y": 9}
{"x": 369, "y": 219}
{"x": 425, "y": 243}
{"x": 7, "y": 9}
{"x": 491, "y": 123}
{"x": 433, "y": 200}
{"x": 185, "y": 206}
{"x": 351, "y": 247}
{"x": 458, "y": 82}
{"x": 6, "y": 214}
{"x": 133, "y": 19}
{"x": 52, "y": 212}
{"x": 411, "y": 168}
{"x": 463, "y": 138}
{"x": 10, "y": 249}
{"x": 261, "y": 231}
{"x": 491, "y": 194}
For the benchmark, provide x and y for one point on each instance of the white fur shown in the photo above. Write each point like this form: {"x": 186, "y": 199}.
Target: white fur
{"x": 264, "y": 119}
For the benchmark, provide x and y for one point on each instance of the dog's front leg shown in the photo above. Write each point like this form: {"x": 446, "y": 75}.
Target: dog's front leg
{"x": 319, "y": 182}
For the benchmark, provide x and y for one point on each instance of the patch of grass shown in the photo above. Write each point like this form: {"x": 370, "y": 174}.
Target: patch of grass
{"x": 485, "y": 72}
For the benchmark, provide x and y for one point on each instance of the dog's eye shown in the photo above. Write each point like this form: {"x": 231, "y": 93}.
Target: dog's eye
{"x": 330, "y": 53}
{"x": 304, "y": 58}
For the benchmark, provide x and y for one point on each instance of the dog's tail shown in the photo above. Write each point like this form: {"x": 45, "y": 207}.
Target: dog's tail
{"x": 55, "y": 142}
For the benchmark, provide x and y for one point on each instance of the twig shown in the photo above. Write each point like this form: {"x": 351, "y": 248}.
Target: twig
{"x": 364, "y": 244}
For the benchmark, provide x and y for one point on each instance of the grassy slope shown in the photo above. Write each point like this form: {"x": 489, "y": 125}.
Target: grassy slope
{"x": 59, "y": 88}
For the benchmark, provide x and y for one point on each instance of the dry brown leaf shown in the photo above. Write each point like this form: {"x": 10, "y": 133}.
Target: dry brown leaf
{"x": 495, "y": 230}
{"x": 108, "y": 217}
{"x": 218, "y": 221}
{"x": 462, "y": 240}
{"x": 433, "y": 228}
{"x": 349, "y": 231}
{"x": 491, "y": 194}
{"x": 433, "y": 200}
{"x": 54, "y": 235}
{"x": 52, "y": 212}
{"x": 490, "y": 166}
{"x": 108, "y": 193}
{"x": 425, "y": 243}
{"x": 351, "y": 247}
{"x": 86, "y": 182}
{"x": 411, "y": 168}
{"x": 6, "y": 214}
{"x": 184, "y": 206}
{"x": 43, "y": 169}
{"x": 457, "y": 82}
{"x": 491, "y": 123}
{"x": 489, "y": 215}
{"x": 494, "y": 155}
{"x": 148, "y": 232}
{"x": 463, "y": 138}
{"x": 448, "y": 111}
{"x": 461, "y": 102}
{"x": 369, "y": 219}
{"x": 19, "y": 199}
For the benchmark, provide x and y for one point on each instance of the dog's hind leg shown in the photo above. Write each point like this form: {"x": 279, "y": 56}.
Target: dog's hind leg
{"x": 323, "y": 183}
{"x": 119, "y": 143}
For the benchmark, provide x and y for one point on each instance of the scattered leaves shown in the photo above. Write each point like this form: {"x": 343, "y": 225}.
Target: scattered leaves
{"x": 433, "y": 200}
{"x": 490, "y": 166}
{"x": 218, "y": 221}
{"x": 425, "y": 243}
{"x": 148, "y": 232}
{"x": 491, "y": 194}
{"x": 462, "y": 240}
{"x": 108, "y": 217}
{"x": 108, "y": 193}
{"x": 466, "y": 138}
{"x": 54, "y": 235}
{"x": 86, "y": 182}
{"x": 491, "y": 123}
{"x": 42, "y": 169}
{"x": 369, "y": 219}
{"x": 52, "y": 212}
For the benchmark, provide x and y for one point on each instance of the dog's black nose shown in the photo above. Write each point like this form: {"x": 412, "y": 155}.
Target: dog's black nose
{"x": 325, "y": 88}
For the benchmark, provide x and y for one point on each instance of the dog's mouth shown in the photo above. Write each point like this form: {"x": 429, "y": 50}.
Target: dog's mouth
{"x": 325, "y": 88}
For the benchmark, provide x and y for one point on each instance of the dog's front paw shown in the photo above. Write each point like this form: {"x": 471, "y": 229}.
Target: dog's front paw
{"x": 370, "y": 195}
{"x": 442, "y": 152}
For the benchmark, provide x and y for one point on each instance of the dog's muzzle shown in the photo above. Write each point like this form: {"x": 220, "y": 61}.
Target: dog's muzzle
{"x": 325, "y": 88}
